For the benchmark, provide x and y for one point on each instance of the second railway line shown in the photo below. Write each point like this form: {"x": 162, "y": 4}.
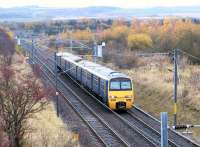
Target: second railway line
{"x": 107, "y": 136}
{"x": 174, "y": 136}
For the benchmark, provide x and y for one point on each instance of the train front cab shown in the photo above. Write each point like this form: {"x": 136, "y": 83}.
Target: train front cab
{"x": 120, "y": 94}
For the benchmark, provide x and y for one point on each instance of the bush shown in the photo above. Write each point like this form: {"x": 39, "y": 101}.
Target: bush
{"x": 139, "y": 41}
{"x": 125, "y": 60}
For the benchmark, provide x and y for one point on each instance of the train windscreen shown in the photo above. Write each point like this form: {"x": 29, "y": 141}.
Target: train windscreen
{"x": 120, "y": 84}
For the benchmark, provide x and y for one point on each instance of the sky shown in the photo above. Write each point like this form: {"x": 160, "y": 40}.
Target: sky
{"x": 86, "y": 3}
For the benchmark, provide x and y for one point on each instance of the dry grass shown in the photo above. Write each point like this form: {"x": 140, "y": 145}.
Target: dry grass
{"x": 48, "y": 130}
{"x": 21, "y": 66}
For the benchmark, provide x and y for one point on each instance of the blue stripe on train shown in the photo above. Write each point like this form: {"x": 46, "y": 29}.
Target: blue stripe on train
{"x": 93, "y": 82}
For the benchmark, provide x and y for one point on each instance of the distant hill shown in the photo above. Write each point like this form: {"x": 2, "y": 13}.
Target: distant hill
{"x": 34, "y": 13}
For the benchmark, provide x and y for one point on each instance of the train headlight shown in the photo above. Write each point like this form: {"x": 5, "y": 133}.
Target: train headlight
{"x": 112, "y": 97}
{"x": 128, "y": 96}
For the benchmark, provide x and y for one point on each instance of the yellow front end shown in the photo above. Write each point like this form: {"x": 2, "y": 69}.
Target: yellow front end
{"x": 120, "y": 99}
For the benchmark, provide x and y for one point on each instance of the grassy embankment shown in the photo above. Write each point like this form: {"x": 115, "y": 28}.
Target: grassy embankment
{"x": 49, "y": 130}
{"x": 153, "y": 82}
{"x": 154, "y": 92}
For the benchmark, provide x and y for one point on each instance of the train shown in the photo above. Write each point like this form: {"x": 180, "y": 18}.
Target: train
{"x": 113, "y": 88}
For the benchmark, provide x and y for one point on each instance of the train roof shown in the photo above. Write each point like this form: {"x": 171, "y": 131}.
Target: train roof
{"x": 96, "y": 69}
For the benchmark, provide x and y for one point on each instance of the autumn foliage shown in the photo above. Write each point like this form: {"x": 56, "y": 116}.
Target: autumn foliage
{"x": 139, "y": 42}
{"x": 121, "y": 36}
{"x": 153, "y": 35}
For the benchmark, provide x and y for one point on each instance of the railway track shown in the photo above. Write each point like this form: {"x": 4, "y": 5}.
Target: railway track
{"x": 66, "y": 108}
{"x": 96, "y": 123}
{"x": 132, "y": 137}
{"x": 131, "y": 134}
{"x": 105, "y": 134}
{"x": 136, "y": 121}
{"x": 148, "y": 131}
{"x": 174, "y": 136}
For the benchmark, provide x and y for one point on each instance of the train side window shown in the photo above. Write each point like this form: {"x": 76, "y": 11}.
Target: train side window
{"x": 84, "y": 74}
{"x": 105, "y": 86}
{"x": 95, "y": 79}
{"x": 88, "y": 76}
{"x": 102, "y": 84}
{"x": 65, "y": 65}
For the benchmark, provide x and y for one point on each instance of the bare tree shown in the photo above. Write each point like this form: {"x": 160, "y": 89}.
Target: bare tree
{"x": 18, "y": 102}
{"x": 19, "y": 98}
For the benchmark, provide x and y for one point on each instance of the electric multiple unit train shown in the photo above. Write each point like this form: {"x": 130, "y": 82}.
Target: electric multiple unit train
{"x": 113, "y": 88}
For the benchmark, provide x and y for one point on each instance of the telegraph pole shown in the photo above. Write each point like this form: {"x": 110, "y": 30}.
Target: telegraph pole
{"x": 56, "y": 78}
{"x": 32, "y": 51}
{"x": 71, "y": 43}
{"x": 95, "y": 50}
{"x": 175, "y": 86}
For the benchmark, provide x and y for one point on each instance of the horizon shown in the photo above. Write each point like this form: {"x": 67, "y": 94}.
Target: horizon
{"x": 98, "y": 7}
{"x": 130, "y": 4}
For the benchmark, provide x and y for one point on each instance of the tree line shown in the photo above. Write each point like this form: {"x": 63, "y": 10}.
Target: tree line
{"x": 141, "y": 35}
{"x": 155, "y": 35}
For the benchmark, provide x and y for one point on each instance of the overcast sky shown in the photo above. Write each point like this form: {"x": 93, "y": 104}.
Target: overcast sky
{"x": 86, "y": 3}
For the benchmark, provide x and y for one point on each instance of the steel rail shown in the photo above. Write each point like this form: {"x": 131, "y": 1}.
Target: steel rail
{"x": 119, "y": 117}
{"x": 155, "y": 123}
{"x": 88, "y": 120}
{"x": 152, "y": 133}
{"x": 139, "y": 131}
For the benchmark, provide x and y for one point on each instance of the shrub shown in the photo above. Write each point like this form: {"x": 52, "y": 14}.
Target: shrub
{"x": 126, "y": 60}
{"x": 139, "y": 41}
